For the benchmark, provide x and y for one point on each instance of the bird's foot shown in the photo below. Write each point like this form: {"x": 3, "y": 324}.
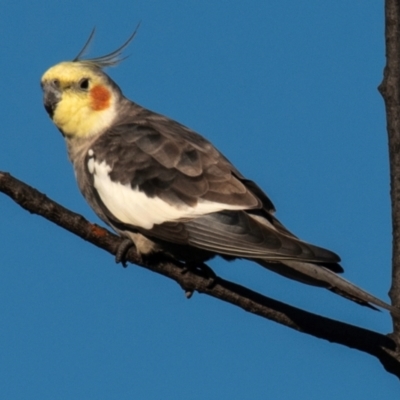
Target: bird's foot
{"x": 122, "y": 251}
{"x": 204, "y": 270}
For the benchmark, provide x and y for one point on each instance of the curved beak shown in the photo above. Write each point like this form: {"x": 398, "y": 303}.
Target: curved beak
{"x": 51, "y": 97}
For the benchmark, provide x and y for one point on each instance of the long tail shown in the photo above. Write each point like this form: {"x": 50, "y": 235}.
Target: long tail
{"x": 316, "y": 275}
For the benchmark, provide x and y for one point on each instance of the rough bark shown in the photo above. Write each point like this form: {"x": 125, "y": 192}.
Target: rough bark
{"x": 385, "y": 348}
{"x": 390, "y": 90}
{"x": 381, "y": 346}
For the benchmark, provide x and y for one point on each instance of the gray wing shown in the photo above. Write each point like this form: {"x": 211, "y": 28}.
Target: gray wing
{"x": 160, "y": 166}
{"x": 175, "y": 169}
{"x": 166, "y": 160}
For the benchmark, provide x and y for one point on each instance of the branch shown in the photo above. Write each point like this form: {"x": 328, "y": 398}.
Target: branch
{"x": 376, "y": 344}
{"x": 390, "y": 90}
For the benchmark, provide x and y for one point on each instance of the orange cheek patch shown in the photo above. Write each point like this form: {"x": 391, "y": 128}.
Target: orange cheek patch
{"x": 100, "y": 97}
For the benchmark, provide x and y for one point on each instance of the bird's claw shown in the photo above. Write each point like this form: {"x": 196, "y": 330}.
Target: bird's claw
{"x": 204, "y": 270}
{"x": 122, "y": 251}
{"x": 189, "y": 293}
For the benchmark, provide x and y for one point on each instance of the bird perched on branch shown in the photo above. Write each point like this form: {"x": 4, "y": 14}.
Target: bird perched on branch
{"x": 166, "y": 188}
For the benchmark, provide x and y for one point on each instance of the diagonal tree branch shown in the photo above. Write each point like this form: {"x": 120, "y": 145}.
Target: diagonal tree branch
{"x": 381, "y": 346}
{"x": 390, "y": 90}
{"x": 385, "y": 348}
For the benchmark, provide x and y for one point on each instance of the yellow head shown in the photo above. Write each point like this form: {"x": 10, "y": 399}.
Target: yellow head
{"x": 79, "y": 97}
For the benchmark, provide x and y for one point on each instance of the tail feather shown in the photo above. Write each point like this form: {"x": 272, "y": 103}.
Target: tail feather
{"x": 316, "y": 275}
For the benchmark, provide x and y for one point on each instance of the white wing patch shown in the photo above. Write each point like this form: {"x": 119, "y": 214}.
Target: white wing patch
{"x": 131, "y": 206}
{"x": 90, "y": 163}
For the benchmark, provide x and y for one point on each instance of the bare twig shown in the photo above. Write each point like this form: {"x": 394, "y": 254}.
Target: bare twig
{"x": 390, "y": 90}
{"x": 385, "y": 348}
{"x": 370, "y": 342}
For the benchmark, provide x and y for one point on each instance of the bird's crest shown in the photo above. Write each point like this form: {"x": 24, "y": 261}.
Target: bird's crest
{"x": 109, "y": 60}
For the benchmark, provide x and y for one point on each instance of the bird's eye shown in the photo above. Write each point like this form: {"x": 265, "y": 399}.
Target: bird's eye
{"x": 56, "y": 83}
{"x": 84, "y": 83}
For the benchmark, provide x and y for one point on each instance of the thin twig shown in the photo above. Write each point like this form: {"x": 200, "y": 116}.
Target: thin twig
{"x": 370, "y": 342}
{"x": 390, "y": 90}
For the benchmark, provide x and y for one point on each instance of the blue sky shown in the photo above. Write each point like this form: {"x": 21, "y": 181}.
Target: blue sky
{"x": 287, "y": 91}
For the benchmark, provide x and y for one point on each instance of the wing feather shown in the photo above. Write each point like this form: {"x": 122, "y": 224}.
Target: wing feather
{"x": 170, "y": 184}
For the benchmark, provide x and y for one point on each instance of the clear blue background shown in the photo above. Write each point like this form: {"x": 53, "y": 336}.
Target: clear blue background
{"x": 287, "y": 90}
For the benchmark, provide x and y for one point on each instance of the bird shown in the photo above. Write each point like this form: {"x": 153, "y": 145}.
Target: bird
{"x": 166, "y": 189}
